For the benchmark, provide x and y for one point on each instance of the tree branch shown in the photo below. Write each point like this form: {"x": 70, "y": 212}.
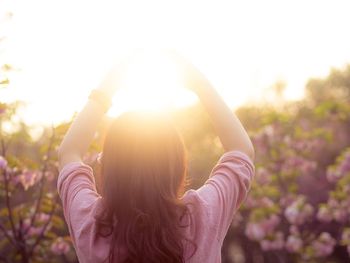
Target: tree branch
{"x": 3, "y": 259}
{"x": 42, "y": 233}
{"x": 7, "y": 235}
{"x": 42, "y": 183}
{"x": 8, "y": 205}
{"x": 3, "y": 147}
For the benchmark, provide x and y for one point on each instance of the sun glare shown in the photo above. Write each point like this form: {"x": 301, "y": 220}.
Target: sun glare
{"x": 242, "y": 51}
{"x": 151, "y": 83}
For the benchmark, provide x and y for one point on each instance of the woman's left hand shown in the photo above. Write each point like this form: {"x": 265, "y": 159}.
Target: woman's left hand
{"x": 111, "y": 82}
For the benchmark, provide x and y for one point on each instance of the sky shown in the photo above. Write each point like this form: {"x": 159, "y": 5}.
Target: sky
{"x": 63, "y": 48}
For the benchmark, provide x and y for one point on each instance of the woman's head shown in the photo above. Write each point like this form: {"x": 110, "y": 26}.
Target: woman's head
{"x": 143, "y": 174}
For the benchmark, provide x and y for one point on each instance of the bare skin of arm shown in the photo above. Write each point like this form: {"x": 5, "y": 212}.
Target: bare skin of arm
{"x": 231, "y": 132}
{"x": 81, "y": 133}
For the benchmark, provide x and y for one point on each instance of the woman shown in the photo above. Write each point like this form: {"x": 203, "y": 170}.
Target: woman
{"x": 142, "y": 213}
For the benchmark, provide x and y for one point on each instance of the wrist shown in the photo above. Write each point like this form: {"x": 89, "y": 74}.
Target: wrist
{"x": 102, "y": 98}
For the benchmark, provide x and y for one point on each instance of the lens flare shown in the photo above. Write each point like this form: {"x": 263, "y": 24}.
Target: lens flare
{"x": 151, "y": 83}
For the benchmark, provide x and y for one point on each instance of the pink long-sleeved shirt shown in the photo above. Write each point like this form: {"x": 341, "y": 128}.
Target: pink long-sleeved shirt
{"x": 212, "y": 208}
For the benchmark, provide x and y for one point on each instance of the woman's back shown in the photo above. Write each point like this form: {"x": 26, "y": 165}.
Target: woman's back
{"x": 210, "y": 210}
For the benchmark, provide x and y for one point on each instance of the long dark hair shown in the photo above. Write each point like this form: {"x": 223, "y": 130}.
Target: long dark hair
{"x": 143, "y": 177}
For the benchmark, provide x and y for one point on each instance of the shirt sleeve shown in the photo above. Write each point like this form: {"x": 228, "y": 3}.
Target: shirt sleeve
{"x": 226, "y": 188}
{"x": 77, "y": 190}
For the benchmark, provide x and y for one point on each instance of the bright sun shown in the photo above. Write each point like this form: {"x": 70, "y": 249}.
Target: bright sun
{"x": 61, "y": 60}
{"x": 151, "y": 83}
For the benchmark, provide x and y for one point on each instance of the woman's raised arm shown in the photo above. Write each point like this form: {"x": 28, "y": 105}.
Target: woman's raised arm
{"x": 231, "y": 132}
{"x": 81, "y": 132}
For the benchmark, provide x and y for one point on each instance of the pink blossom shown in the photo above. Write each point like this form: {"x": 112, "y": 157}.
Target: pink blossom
{"x": 28, "y": 179}
{"x": 340, "y": 215}
{"x": 35, "y": 231}
{"x": 270, "y": 223}
{"x": 324, "y": 214}
{"x": 276, "y": 243}
{"x": 265, "y": 245}
{"x": 29, "y": 229}
{"x": 345, "y": 238}
{"x": 346, "y": 203}
{"x": 322, "y": 249}
{"x": 304, "y": 165}
{"x": 294, "y": 244}
{"x": 266, "y": 202}
{"x": 237, "y": 219}
{"x": 50, "y": 176}
{"x": 14, "y": 180}
{"x": 3, "y": 163}
{"x": 347, "y": 189}
{"x": 261, "y": 141}
{"x": 263, "y": 176}
{"x": 344, "y": 166}
{"x": 255, "y": 231}
{"x": 308, "y": 210}
{"x": 90, "y": 158}
{"x": 298, "y": 212}
{"x": 324, "y": 245}
{"x": 308, "y": 167}
{"x": 26, "y": 223}
{"x": 269, "y": 131}
{"x": 294, "y": 230}
{"x": 300, "y": 145}
{"x": 332, "y": 203}
{"x": 292, "y": 214}
{"x": 316, "y": 144}
{"x": 43, "y": 217}
{"x": 60, "y": 246}
{"x": 287, "y": 140}
{"x": 250, "y": 202}
{"x": 290, "y": 164}
{"x": 25, "y": 226}
{"x": 286, "y": 201}
{"x": 333, "y": 175}
{"x": 258, "y": 230}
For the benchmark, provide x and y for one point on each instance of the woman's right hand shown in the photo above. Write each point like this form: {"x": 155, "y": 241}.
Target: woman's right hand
{"x": 230, "y": 130}
{"x": 112, "y": 80}
{"x": 193, "y": 79}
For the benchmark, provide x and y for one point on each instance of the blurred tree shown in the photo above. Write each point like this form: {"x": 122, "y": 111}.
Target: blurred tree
{"x": 296, "y": 209}
{"x": 335, "y": 87}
